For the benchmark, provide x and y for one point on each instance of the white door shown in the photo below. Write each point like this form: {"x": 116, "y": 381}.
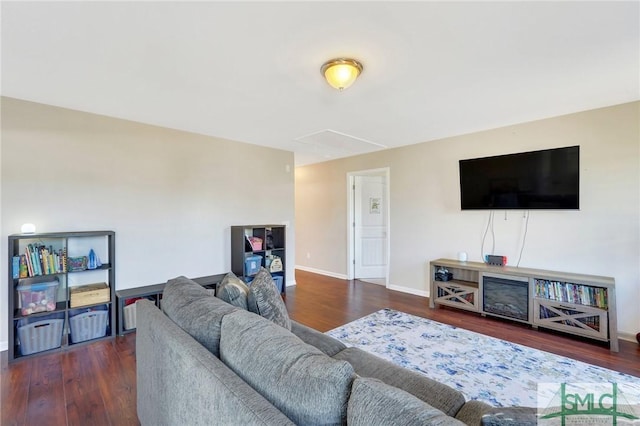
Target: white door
{"x": 370, "y": 227}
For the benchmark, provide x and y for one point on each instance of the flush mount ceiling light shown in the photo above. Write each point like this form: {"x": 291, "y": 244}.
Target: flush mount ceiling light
{"x": 340, "y": 73}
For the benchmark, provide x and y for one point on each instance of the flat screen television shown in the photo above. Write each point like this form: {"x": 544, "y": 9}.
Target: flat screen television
{"x": 536, "y": 180}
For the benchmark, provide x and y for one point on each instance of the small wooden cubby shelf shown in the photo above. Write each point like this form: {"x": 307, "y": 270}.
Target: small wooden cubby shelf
{"x": 578, "y": 304}
{"x": 154, "y": 293}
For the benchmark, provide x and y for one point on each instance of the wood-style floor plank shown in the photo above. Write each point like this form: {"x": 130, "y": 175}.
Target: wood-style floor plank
{"x": 14, "y": 392}
{"x": 46, "y": 402}
{"x": 114, "y": 380}
{"x": 95, "y": 384}
{"x": 83, "y": 398}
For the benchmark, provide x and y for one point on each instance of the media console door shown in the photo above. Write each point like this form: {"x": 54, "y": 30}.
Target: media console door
{"x": 572, "y": 318}
{"x": 457, "y": 295}
{"x": 583, "y": 305}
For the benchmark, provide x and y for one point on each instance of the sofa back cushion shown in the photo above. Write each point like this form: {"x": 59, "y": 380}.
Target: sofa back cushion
{"x": 436, "y": 394}
{"x": 309, "y": 387}
{"x": 194, "y": 309}
{"x": 373, "y": 402}
{"x": 324, "y": 342}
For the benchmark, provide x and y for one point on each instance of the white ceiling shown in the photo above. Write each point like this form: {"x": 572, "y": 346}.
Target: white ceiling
{"x": 250, "y": 71}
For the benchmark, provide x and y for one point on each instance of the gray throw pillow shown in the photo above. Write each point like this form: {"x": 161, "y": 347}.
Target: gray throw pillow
{"x": 265, "y": 300}
{"x": 309, "y": 387}
{"x": 373, "y": 402}
{"x": 196, "y": 311}
{"x": 233, "y": 291}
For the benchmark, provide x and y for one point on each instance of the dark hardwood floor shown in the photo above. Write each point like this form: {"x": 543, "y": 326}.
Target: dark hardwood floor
{"x": 96, "y": 383}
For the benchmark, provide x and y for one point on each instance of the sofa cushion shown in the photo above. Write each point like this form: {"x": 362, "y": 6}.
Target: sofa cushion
{"x": 373, "y": 402}
{"x": 472, "y": 412}
{"x": 434, "y": 393}
{"x": 324, "y": 342}
{"x": 265, "y": 300}
{"x": 196, "y": 311}
{"x": 233, "y": 291}
{"x": 309, "y": 387}
{"x": 509, "y": 416}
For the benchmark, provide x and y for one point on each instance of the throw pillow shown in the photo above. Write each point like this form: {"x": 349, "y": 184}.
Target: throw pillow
{"x": 233, "y": 291}
{"x": 373, "y": 402}
{"x": 193, "y": 309}
{"x": 309, "y": 387}
{"x": 265, "y": 300}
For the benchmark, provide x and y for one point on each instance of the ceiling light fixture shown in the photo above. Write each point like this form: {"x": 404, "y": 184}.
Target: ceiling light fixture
{"x": 340, "y": 73}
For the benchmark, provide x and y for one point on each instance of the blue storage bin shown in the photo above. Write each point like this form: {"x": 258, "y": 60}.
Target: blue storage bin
{"x": 252, "y": 264}
{"x": 279, "y": 282}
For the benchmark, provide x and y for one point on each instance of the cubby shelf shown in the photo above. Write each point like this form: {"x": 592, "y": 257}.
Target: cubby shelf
{"x": 54, "y": 249}
{"x": 268, "y": 242}
{"x": 154, "y": 293}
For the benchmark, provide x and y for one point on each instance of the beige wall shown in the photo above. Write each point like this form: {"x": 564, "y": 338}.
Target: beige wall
{"x": 171, "y": 196}
{"x": 602, "y": 238}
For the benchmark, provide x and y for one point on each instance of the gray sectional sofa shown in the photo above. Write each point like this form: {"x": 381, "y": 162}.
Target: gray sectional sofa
{"x": 203, "y": 361}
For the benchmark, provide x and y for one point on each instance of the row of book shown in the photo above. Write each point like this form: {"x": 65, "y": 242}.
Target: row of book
{"x": 592, "y": 321}
{"x": 39, "y": 260}
{"x": 572, "y": 293}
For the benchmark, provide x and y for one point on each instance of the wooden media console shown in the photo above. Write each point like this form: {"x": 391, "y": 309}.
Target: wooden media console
{"x": 578, "y": 304}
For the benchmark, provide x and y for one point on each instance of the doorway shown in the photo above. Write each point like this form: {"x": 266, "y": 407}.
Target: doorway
{"x": 368, "y": 224}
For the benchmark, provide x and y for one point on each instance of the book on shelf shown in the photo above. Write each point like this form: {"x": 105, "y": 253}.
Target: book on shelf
{"x": 24, "y": 271}
{"x": 16, "y": 267}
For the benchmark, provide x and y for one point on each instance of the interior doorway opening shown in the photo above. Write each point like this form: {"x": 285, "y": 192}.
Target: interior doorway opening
{"x": 368, "y": 225}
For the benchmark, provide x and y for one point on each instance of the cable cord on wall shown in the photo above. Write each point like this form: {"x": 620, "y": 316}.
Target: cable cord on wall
{"x": 484, "y": 237}
{"x": 493, "y": 235}
{"x": 524, "y": 238}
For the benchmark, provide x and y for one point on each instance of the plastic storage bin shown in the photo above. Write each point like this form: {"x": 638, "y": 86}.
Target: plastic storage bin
{"x": 278, "y": 281}
{"x": 252, "y": 265}
{"x": 40, "y": 333}
{"x": 129, "y": 312}
{"x": 89, "y": 323}
{"x": 37, "y": 297}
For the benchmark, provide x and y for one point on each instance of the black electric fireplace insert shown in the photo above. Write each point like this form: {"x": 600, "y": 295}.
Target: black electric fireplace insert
{"x": 507, "y": 296}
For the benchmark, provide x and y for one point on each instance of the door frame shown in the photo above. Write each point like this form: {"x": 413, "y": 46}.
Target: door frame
{"x": 386, "y": 172}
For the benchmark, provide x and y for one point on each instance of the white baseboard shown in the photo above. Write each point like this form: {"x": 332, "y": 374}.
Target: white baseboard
{"x": 629, "y": 337}
{"x": 402, "y": 289}
{"x": 291, "y": 283}
{"x": 321, "y": 272}
{"x": 413, "y": 291}
{"x": 4, "y": 346}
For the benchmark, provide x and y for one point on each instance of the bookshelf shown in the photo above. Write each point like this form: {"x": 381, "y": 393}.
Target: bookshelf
{"x": 59, "y": 295}
{"x": 253, "y": 246}
{"x": 578, "y": 304}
